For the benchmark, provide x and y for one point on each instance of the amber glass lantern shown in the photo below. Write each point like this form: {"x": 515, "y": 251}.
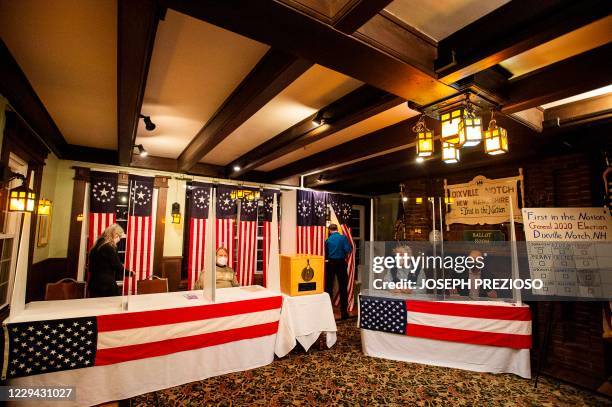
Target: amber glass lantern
{"x": 451, "y": 125}
{"x": 176, "y": 213}
{"x": 22, "y": 199}
{"x": 44, "y": 207}
{"x": 471, "y": 127}
{"x": 450, "y": 153}
{"x": 495, "y": 138}
{"x": 425, "y": 138}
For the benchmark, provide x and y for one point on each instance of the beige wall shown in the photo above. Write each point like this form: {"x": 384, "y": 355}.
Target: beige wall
{"x": 173, "y": 238}
{"x": 62, "y": 205}
{"x": 47, "y": 191}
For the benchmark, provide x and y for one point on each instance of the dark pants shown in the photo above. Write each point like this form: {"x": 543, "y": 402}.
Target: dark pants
{"x": 337, "y": 268}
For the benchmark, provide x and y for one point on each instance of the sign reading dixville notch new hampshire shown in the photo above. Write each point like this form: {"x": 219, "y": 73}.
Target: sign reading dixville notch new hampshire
{"x": 484, "y": 201}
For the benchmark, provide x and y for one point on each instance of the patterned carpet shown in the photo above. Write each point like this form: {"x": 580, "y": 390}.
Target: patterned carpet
{"x": 343, "y": 376}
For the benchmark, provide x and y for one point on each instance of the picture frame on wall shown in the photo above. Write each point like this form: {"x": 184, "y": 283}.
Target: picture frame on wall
{"x": 44, "y": 230}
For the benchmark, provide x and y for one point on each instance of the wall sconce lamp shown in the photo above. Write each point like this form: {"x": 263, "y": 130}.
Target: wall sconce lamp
{"x": 44, "y": 207}
{"x": 176, "y": 213}
{"x": 21, "y": 198}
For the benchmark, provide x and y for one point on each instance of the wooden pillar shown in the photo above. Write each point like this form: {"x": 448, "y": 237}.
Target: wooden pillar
{"x": 81, "y": 178}
{"x": 161, "y": 184}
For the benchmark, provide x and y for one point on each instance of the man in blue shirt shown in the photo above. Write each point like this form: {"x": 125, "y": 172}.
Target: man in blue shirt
{"x": 337, "y": 248}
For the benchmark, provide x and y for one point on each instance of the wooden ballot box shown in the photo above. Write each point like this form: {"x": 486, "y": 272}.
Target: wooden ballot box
{"x": 301, "y": 274}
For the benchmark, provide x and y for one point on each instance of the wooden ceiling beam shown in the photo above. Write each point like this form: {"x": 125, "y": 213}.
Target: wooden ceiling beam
{"x": 360, "y": 104}
{"x": 136, "y": 29}
{"x": 580, "y": 112}
{"x": 581, "y": 73}
{"x": 283, "y": 27}
{"x": 510, "y": 30}
{"x": 273, "y": 73}
{"x": 390, "y": 138}
{"x": 359, "y": 14}
{"x": 16, "y": 88}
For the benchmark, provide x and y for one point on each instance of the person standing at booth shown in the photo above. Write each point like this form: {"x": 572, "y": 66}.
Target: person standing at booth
{"x": 337, "y": 248}
{"x": 105, "y": 267}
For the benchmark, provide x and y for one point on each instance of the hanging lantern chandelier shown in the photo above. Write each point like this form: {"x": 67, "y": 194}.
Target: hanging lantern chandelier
{"x": 496, "y": 138}
{"x": 461, "y": 126}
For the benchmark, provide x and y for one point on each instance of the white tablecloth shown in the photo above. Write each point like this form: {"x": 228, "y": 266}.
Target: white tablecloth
{"x": 302, "y": 320}
{"x": 100, "y": 384}
{"x": 478, "y": 358}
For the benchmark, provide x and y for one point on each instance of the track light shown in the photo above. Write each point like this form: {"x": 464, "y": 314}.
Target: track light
{"x": 319, "y": 119}
{"x": 236, "y": 168}
{"x": 141, "y": 150}
{"x": 149, "y": 125}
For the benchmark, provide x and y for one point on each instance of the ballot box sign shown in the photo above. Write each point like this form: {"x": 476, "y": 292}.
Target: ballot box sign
{"x": 483, "y": 236}
{"x": 570, "y": 250}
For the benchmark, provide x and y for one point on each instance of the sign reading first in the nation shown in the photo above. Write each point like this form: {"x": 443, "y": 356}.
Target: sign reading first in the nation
{"x": 570, "y": 250}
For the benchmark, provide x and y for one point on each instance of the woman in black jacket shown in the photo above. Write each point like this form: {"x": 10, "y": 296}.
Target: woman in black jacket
{"x": 105, "y": 267}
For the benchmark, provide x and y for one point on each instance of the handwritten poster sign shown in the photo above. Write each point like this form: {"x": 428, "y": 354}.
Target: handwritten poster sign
{"x": 570, "y": 250}
{"x": 483, "y": 201}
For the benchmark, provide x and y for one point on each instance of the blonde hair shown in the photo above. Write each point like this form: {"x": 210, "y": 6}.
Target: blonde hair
{"x": 221, "y": 248}
{"x": 110, "y": 233}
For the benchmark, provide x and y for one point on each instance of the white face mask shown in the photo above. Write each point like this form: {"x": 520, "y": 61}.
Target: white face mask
{"x": 222, "y": 260}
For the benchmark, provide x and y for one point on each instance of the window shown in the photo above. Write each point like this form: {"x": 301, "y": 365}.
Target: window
{"x": 6, "y": 264}
{"x": 12, "y": 229}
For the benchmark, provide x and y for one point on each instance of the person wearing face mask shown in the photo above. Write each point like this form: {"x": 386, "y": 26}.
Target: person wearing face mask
{"x": 225, "y": 275}
{"x": 105, "y": 267}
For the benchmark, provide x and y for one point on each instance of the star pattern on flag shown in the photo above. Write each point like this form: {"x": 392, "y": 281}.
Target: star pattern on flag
{"x": 49, "y": 346}
{"x": 225, "y": 201}
{"x": 383, "y": 315}
{"x": 141, "y": 194}
{"x": 319, "y": 208}
{"x": 346, "y": 210}
{"x": 268, "y": 202}
{"x": 304, "y": 208}
{"x": 248, "y": 206}
{"x": 201, "y": 197}
{"x": 103, "y": 191}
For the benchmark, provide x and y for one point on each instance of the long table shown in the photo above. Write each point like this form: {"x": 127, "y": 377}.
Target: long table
{"x": 162, "y": 341}
{"x": 487, "y": 336}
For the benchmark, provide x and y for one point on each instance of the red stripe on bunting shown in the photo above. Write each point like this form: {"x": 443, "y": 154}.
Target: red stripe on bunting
{"x": 473, "y": 337}
{"x": 116, "y": 322}
{"x": 166, "y": 347}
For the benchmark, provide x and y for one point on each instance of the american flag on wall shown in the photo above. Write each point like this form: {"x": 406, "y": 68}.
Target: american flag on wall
{"x": 46, "y": 346}
{"x": 198, "y": 209}
{"x": 491, "y": 325}
{"x": 226, "y": 219}
{"x": 311, "y": 214}
{"x": 138, "y": 250}
{"x": 102, "y": 204}
{"x": 341, "y": 204}
{"x": 246, "y": 261}
{"x": 268, "y": 201}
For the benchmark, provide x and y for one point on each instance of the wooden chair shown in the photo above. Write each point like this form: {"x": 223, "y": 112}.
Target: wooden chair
{"x": 65, "y": 289}
{"x": 153, "y": 286}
